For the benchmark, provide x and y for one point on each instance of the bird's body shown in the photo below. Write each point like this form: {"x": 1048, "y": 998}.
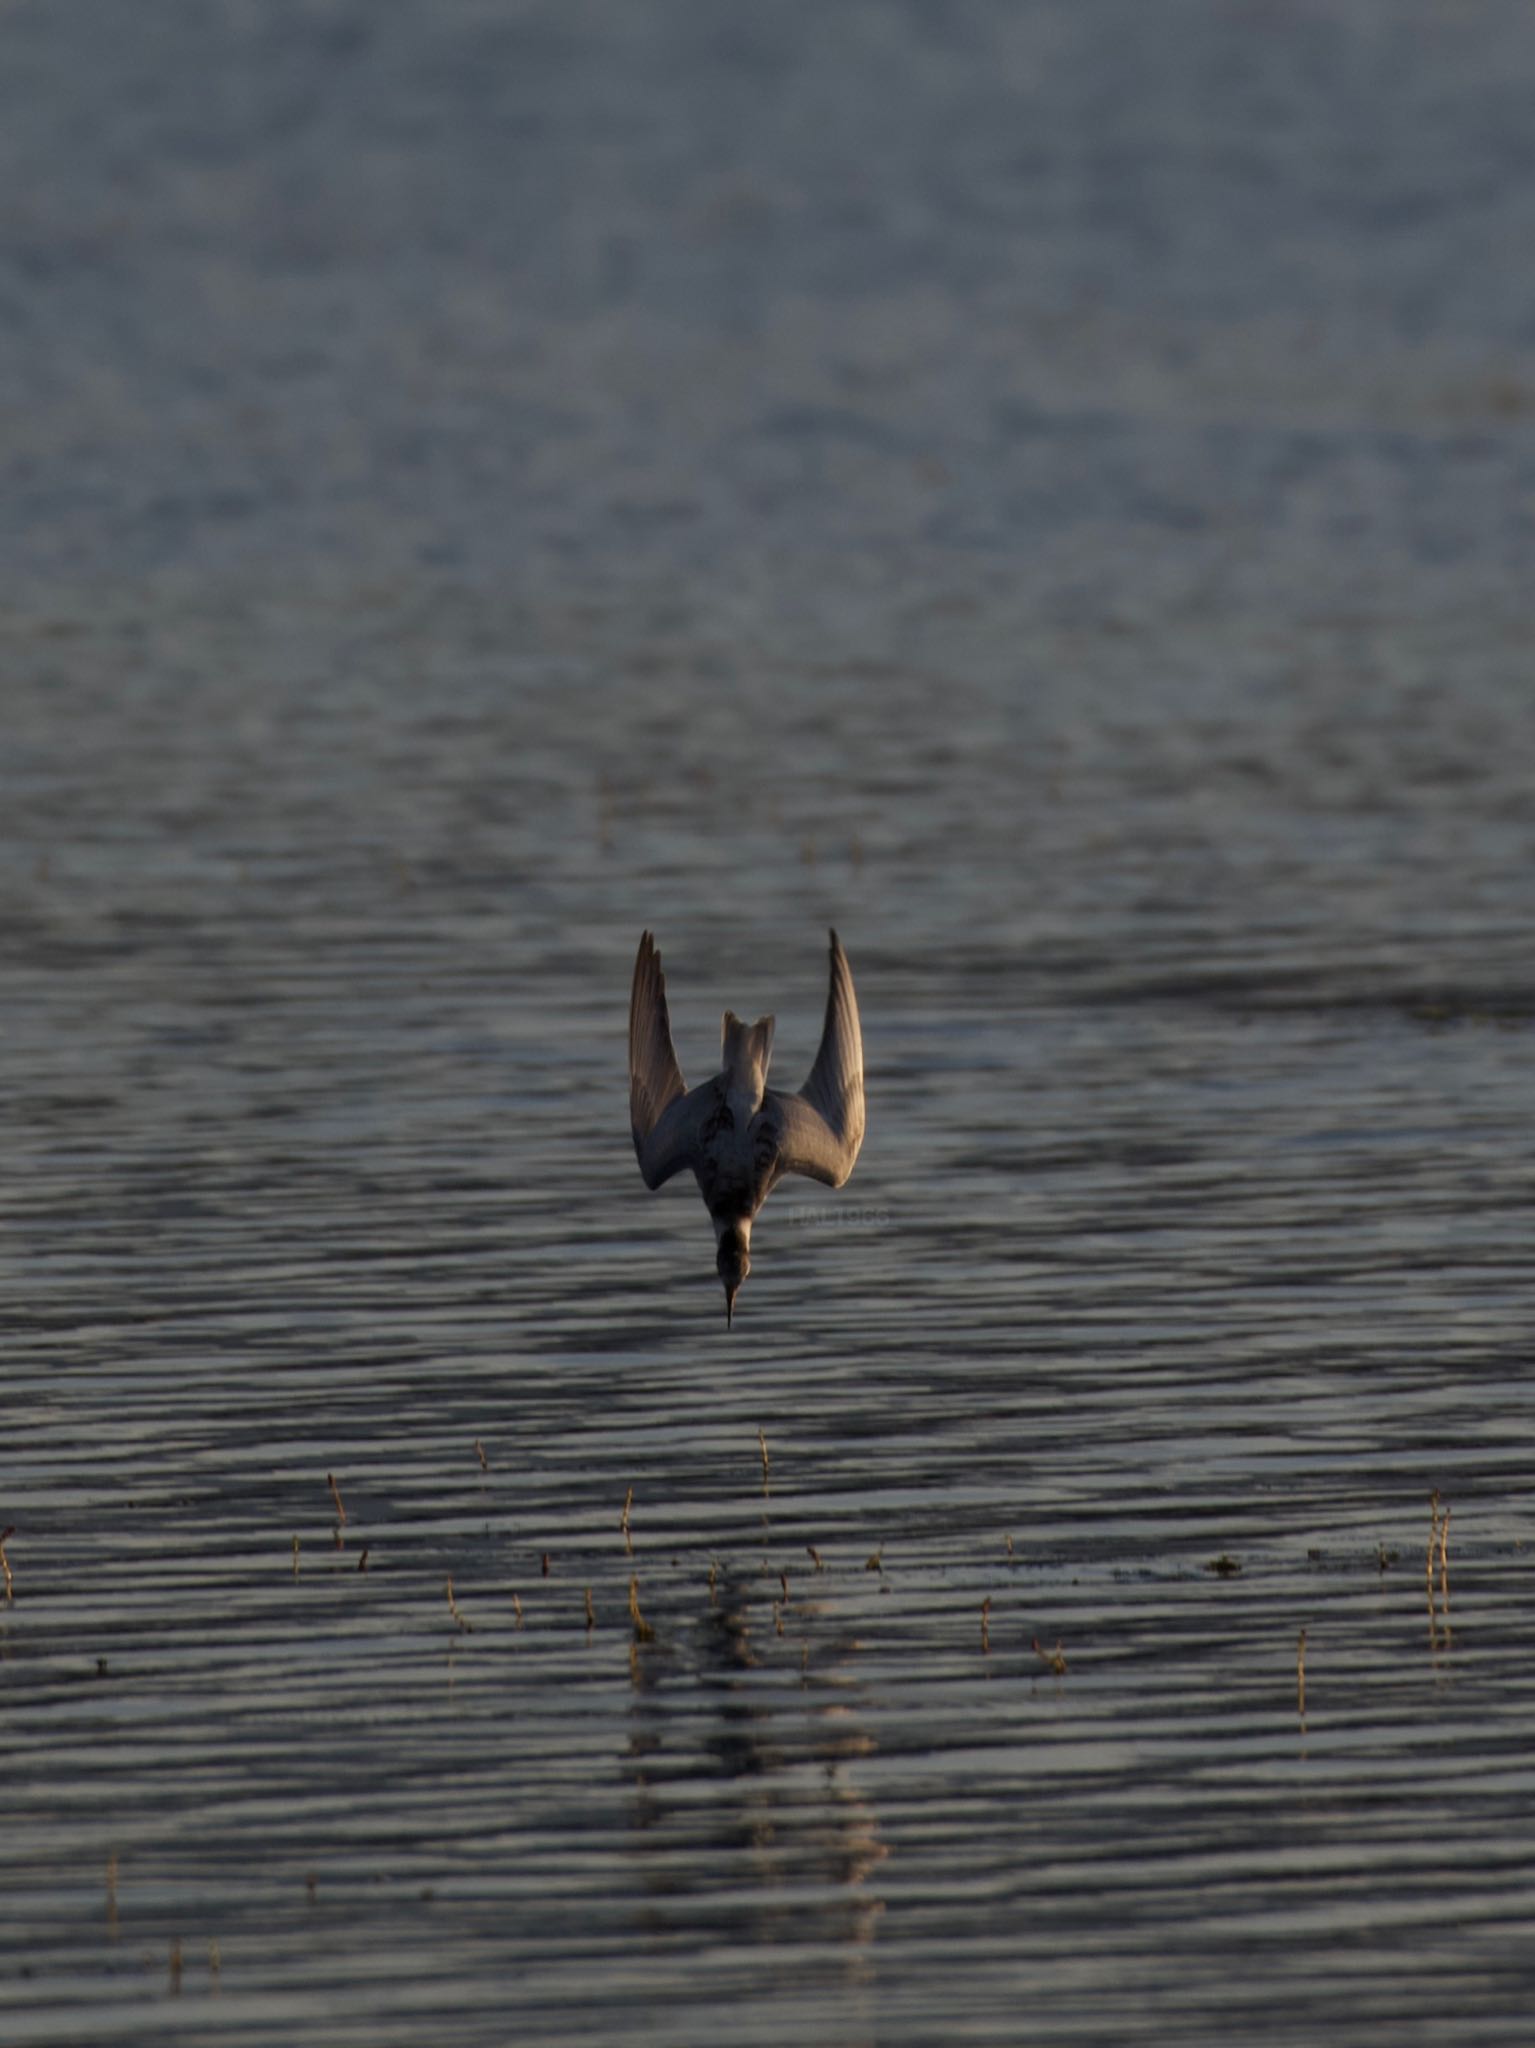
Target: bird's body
{"x": 739, "y": 1136}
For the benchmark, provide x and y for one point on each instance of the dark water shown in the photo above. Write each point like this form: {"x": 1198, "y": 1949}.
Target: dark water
{"x": 1046, "y": 489}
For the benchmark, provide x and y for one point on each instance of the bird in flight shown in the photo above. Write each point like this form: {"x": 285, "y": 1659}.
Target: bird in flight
{"x": 739, "y": 1136}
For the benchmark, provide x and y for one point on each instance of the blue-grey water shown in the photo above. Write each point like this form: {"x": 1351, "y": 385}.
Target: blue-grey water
{"x": 1047, "y": 488}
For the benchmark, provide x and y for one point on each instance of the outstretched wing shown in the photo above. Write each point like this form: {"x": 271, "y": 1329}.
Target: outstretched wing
{"x": 660, "y": 1112}
{"x": 820, "y": 1130}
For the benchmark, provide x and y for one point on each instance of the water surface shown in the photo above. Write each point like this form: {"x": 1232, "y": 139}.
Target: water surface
{"x": 1048, "y": 495}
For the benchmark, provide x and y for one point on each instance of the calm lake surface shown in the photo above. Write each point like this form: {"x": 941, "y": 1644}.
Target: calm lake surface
{"x": 1048, "y": 490}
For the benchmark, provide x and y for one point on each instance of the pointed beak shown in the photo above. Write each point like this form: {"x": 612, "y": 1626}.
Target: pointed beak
{"x": 730, "y": 1304}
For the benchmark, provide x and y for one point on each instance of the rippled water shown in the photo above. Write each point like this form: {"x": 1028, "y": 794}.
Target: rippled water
{"x": 1046, "y": 493}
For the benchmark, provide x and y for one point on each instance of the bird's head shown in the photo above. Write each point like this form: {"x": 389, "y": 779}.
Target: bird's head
{"x": 734, "y": 1263}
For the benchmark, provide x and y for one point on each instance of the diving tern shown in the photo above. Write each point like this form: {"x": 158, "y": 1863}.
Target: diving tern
{"x": 739, "y": 1136}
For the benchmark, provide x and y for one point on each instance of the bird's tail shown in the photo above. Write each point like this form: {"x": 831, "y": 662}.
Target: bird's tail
{"x": 745, "y": 1050}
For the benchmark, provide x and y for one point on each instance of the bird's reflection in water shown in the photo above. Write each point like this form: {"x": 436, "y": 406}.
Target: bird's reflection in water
{"x": 742, "y": 1760}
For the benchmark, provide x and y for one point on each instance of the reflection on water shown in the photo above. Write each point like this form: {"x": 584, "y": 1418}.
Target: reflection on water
{"x": 748, "y": 1820}
{"x": 1044, "y": 491}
